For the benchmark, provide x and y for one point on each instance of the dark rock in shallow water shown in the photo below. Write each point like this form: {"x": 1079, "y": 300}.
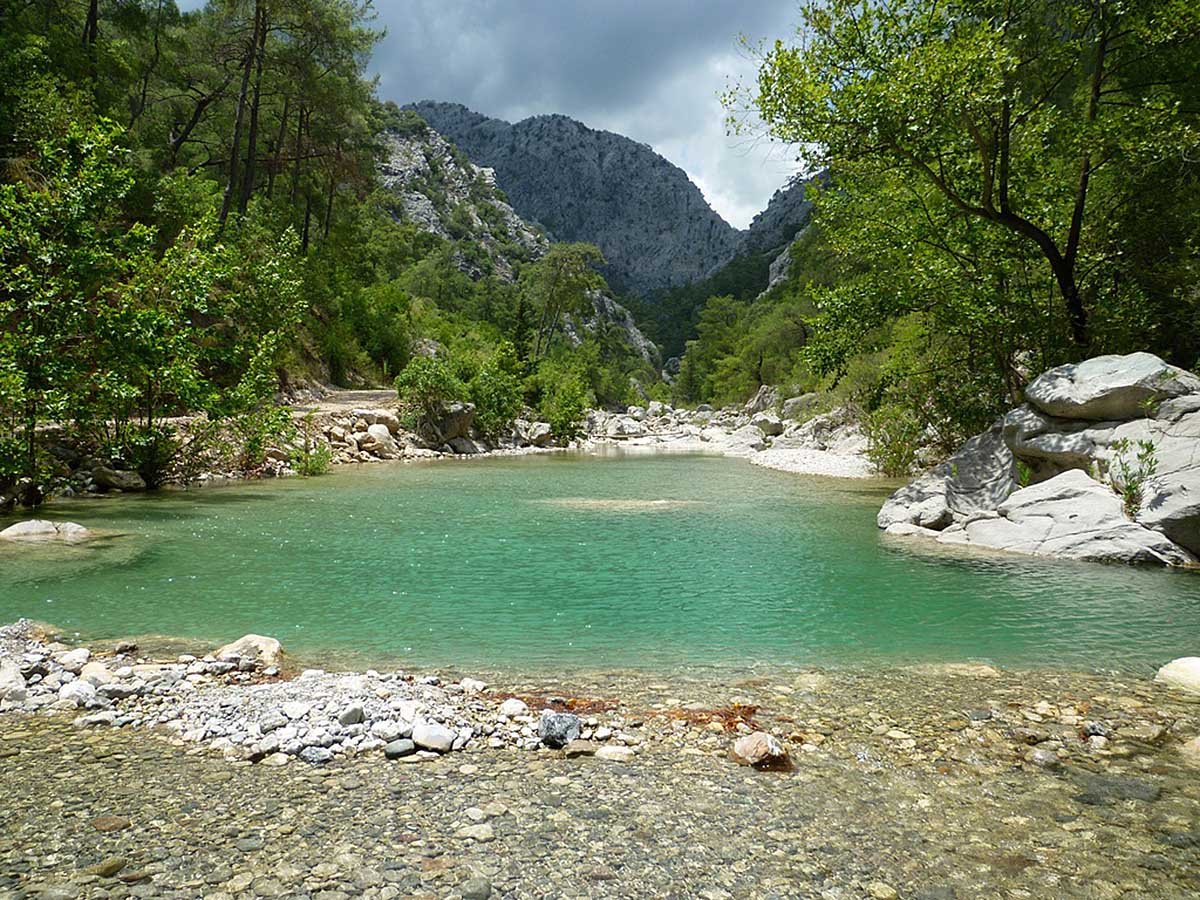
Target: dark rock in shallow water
{"x": 1099, "y": 790}
{"x": 556, "y": 730}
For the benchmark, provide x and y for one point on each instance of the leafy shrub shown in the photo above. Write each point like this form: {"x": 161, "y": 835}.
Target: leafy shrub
{"x": 563, "y": 408}
{"x": 893, "y": 438}
{"x": 497, "y": 396}
{"x": 424, "y": 385}
{"x": 313, "y": 456}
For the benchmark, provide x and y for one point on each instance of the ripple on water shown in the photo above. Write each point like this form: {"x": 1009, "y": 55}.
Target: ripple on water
{"x": 658, "y": 562}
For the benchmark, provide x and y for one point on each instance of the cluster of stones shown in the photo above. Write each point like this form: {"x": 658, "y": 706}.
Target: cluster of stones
{"x": 1055, "y": 476}
{"x": 786, "y": 434}
{"x": 371, "y": 435}
{"x": 239, "y": 702}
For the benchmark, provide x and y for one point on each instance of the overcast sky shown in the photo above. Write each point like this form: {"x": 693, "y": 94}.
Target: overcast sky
{"x": 648, "y": 69}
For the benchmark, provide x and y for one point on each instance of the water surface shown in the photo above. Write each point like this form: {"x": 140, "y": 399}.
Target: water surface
{"x": 660, "y": 562}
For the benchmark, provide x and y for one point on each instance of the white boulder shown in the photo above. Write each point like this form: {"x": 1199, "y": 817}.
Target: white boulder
{"x": 1182, "y": 674}
{"x": 266, "y": 651}
{"x": 12, "y": 682}
{"x": 42, "y": 530}
{"x": 1109, "y": 387}
{"x": 1068, "y": 517}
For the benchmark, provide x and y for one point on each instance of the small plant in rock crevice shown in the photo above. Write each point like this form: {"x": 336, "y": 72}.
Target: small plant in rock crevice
{"x": 1133, "y": 465}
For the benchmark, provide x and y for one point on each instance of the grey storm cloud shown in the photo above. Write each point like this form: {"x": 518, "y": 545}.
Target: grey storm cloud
{"x": 652, "y": 70}
{"x": 649, "y": 69}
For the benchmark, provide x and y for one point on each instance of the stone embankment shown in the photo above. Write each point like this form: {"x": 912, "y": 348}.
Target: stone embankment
{"x": 1101, "y": 463}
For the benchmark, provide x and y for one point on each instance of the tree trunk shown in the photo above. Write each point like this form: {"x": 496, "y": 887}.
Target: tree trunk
{"x": 300, "y": 120}
{"x": 91, "y": 26}
{"x": 277, "y": 156}
{"x": 239, "y": 118}
{"x": 307, "y": 223}
{"x": 252, "y": 137}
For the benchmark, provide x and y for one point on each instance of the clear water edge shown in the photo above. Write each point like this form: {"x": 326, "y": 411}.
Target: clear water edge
{"x": 661, "y": 564}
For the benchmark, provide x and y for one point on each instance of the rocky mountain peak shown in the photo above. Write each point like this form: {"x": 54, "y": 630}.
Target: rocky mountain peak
{"x": 652, "y": 223}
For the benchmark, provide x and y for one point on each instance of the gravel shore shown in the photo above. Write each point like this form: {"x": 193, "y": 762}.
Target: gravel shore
{"x": 933, "y": 782}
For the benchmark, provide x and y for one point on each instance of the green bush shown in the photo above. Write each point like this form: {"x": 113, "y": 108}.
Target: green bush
{"x": 424, "y": 385}
{"x": 893, "y": 438}
{"x": 563, "y": 407}
{"x": 497, "y": 396}
{"x": 313, "y": 456}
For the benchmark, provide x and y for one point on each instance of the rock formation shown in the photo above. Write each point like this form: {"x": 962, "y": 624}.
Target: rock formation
{"x": 1102, "y": 463}
{"x": 651, "y": 222}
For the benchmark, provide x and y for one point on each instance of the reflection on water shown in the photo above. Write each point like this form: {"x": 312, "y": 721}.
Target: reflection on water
{"x": 660, "y": 562}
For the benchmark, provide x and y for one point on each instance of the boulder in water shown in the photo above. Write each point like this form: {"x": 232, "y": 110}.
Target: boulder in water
{"x": 42, "y": 530}
{"x": 1182, "y": 674}
{"x": 118, "y": 479}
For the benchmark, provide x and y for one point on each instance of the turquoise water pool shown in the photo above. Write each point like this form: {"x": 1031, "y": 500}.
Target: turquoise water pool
{"x": 657, "y": 562}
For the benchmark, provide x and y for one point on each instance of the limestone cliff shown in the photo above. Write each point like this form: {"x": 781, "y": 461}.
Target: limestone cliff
{"x": 651, "y": 222}
{"x": 443, "y": 192}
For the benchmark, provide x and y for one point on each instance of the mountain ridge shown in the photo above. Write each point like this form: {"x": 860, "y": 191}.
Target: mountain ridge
{"x": 650, "y": 220}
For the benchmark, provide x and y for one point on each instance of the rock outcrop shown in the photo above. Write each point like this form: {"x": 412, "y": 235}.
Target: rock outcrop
{"x": 652, "y": 223}
{"x": 444, "y": 193}
{"x": 1095, "y": 441}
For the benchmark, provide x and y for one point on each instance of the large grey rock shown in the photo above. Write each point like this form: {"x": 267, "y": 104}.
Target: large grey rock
{"x": 266, "y": 651}
{"x": 1171, "y": 498}
{"x": 379, "y": 442}
{"x": 980, "y": 476}
{"x": 740, "y": 442}
{"x": 12, "y": 682}
{"x": 432, "y": 736}
{"x": 118, "y": 479}
{"x": 42, "y": 530}
{"x": 1070, "y": 516}
{"x": 769, "y": 423}
{"x": 1109, "y": 387}
{"x": 765, "y": 398}
{"x": 455, "y": 421}
{"x": 557, "y": 729}
{"x": 795, "y": 407}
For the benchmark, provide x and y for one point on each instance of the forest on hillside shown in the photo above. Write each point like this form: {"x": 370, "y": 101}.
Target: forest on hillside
{"x": 191, "y": 218}
{"x": 1013, "y": 185}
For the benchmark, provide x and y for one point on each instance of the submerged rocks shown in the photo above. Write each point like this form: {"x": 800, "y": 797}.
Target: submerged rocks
{"x": 1091, "y": 432}
{"x": 42, "y": 530}
{"x": 760, "y": 750}
{"x": 1182, "y": 674}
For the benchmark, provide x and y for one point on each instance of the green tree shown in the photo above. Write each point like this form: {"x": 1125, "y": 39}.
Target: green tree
{"x": 558, "y": 286}
{"x": 424, "y": 387}
{"x": 1030, "y": 116}
{"x": 63, "y": 243}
